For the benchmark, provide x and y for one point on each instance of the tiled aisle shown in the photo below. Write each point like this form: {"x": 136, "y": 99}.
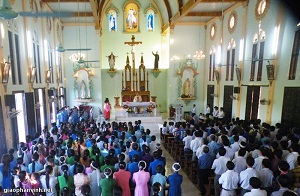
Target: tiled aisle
{"x": 188, "y": 188}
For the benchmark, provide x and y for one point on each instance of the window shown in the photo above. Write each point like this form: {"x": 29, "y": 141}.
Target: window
{"x": 258, "y": 45}
{"x": 295, "y": 55}
{"x": 230, "y": 60}
{"x": 150, "y": 20}
{"x": 14, "y": 54}
{"x": 112, "y": 21}
{"x": 36, "y": 58}
{"x": 212, "y": 64}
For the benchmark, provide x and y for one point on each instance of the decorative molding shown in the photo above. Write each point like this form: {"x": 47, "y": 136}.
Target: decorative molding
{"x": 213, "y": 31}
{"x": 155, "y": 72}
{"x": 232, "y": 22}
{"x": 261, "y": 9}
{"x": 111, "y": 73}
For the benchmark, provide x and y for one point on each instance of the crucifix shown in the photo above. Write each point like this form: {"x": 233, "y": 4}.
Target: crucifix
{"x": 133, "y": 43}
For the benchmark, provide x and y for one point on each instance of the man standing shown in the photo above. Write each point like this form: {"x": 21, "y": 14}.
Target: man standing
{"x": 156, "y": 59}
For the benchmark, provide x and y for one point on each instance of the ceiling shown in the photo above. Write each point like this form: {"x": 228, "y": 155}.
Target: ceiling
{"x": 173, "y": 12}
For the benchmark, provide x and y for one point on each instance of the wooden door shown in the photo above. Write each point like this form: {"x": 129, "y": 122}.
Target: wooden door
{"x": 291, "y": 107}
{"x": 227, "y": 101}
{"x": 252, "y": 102}
{"x": 209, "y": 98}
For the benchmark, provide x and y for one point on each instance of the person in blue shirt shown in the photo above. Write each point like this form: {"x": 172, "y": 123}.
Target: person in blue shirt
{"x": 153, "y": 164}
{"x": 204, "y": 169}
{"x": 175, "y": 181}
{"x": 159, "y": 178}
{"x": 133, "y": 166}
{"x": 134, "y": 151}
{"x": 36, "y": 165}
{"x": 5, "y": 170}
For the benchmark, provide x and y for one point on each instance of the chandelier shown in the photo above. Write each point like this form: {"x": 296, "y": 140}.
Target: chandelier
{"x": 199, "y": 55}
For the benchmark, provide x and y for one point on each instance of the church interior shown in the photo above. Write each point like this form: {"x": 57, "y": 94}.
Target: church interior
{"x": 153, "y": 60}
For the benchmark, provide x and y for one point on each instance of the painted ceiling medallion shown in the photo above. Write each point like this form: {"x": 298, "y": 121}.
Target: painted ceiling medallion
{"x": 261, "y": 8}
{"x": 213, "y": 30}
{"x": 232, "y": 21}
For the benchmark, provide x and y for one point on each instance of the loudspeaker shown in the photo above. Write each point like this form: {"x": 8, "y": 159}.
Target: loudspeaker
{"x": 236, "y": 90}
{"x": 238, "y": 73}
{"x": 50, "y": 92}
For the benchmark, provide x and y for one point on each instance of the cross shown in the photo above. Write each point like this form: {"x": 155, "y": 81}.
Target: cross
{"x": 133, "y": 43}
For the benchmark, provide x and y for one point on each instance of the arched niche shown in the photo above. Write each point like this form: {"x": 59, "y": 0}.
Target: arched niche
{"x": 83, "y": 84}
{"x": 187, "y": 83}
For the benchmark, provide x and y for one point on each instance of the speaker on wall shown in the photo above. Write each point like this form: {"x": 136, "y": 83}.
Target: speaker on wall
{"x": 238, "y": 73}
{"x": 236, "y": 90}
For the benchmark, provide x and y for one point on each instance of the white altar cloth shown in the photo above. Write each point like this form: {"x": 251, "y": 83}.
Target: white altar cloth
{"x": 145, "y": 105}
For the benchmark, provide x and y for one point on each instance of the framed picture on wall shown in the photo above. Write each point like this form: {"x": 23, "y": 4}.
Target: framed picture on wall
{"x": 238, "y": 73}
{"x": 270, "y": 72}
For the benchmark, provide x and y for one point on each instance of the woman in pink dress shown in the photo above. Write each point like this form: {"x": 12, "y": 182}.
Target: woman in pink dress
{"x": 141, "y": 179}
{"x": 107, "y": 109}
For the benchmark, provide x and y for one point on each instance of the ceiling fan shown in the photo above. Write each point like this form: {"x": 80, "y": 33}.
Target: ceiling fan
{"x": 7, "y": 13}
{"x": 81, "y": 59}
{"x": 60, "y": 47}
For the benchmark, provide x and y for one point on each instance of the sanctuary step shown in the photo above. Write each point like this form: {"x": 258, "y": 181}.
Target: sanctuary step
{"x": 139, "y": 117}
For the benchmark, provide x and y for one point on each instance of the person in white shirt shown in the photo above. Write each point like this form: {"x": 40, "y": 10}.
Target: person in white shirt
{"x": 197, "y": 142}
{"x": 221, "y": 113}
{"x": 236, "y": 145}
{"x": 207, "y": 110}
{"x": 266, "y": 175}
{"x": 219, "y": 165}
{"x": 187, "y": 142}
{"x": 243, "y": 145}
{"x": 229, "y": 180}
{"x": 48, "y": 181}
{"x": 291, "y": 158}
{"x": 240, "y": 161}
{"x": 193, "y": 112}
{"x": 152, "y": 144}
{"x": 246, "y": 175}
{"x": 259, "y": 159}
{"x": 164, "y": 129}
{"x": 215, "y": 112}
{"x": 199, "y": 151}
{"x": 255, "y": 191}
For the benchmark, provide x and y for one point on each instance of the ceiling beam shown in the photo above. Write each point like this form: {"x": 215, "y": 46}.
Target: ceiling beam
{"x": 100, "y": 6}
{"x": 65, "y": 1}
{"x": 95, "y": 6}
{"x": 186, "y": 8}
{"x": 168, "y": 9}
{"x": 208, "y": 14}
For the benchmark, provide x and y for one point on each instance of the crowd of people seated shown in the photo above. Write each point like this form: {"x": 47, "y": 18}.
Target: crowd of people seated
{"x": 242, "y": 157}
{"x": 88, "y": 158}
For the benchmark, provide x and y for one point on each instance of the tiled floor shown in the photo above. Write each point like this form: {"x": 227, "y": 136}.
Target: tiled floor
{"x": 188, "y": 188}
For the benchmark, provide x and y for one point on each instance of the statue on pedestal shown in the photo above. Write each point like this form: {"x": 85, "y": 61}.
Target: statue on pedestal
{"x": 111, "y": 61}
{"x": 137, "y": 98}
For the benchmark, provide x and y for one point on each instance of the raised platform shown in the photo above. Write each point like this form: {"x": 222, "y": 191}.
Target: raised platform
{"x": 157, "y": 119}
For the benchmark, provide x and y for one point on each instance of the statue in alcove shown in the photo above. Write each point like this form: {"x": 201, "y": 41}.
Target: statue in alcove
{"x": 82, "y": 89}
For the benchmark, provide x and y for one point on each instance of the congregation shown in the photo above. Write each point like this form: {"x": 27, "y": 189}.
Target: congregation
{"x": 239, "y": 157}
{"x": 81, "y": 157}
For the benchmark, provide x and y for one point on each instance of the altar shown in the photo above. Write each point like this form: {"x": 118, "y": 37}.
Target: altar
{"x": 135, "y": 84}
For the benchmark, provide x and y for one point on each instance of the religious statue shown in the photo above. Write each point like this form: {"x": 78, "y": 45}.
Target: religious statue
{"x": 156, "y": 59}
{"x": 186, "y": 88}
{"x": 131, "y": 19}
{"x": 82, "y": 89}
{"x": 111, "y": 61}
